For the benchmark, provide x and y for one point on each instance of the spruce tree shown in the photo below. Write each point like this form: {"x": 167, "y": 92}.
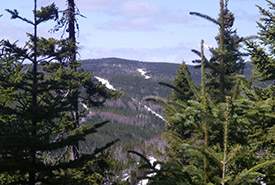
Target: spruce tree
{"x": 177, "y": 126}
{"x": 226, "y": 61}
{"x": 224, "y": 145}
{"x": 262, "y": 96}
{"x": 36, "y": 127}
{"x": 181, "y": 90}
{"x": 207, "y": 161}
{"x": 221, "y": 70}
{"x": 72, "y": 60}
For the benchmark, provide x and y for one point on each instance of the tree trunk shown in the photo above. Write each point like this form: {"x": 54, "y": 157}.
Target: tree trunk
{"x": 74, "y": 104}
{"x": 32, "y": 172}
{"x": 205, "y": 109}
{"x": 222, "y": 50}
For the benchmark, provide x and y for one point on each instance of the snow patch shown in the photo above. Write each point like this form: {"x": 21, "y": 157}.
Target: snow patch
{"x": 85, "y": 106}
{"x": 262, "y": 183}
{"x": 145, "y": 181}
{"x": 89, "y": 115}
{"x": 150, "y": 110}
{"x": 153, "y": 112}
{"x": 143, "y": 73}
{"x": 152, "y": 160}
{"x": 126, "y": 176}
{"x": 105, "y": 82}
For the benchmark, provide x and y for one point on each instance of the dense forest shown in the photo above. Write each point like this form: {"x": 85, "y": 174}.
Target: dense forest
{"x": 218, "y": 127}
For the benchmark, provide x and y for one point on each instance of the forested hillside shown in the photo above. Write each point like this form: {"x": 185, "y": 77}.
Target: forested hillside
{"x": 123, "y": 122}
{"x": 130, "y": 116}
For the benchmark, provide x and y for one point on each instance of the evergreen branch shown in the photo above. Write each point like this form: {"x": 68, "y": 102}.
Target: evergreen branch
{"x": 190, "y": 82}
{"x": 236, "y": 89}
{"x": 108, "y": 145}
{"x": 205, "y": 17}
{"x": 180, "y": 104}
{"x": 181, "y": 94}
{"x": 225, "y": 139}
{"x": 62, "y": 156}
{"x": 233, "y": 153}
{"x": 199, "y": 54}
{"x": 141, "y": 156}
{"x": 82, "y": 159}
{"x": 155, "y": 99}
{"x": 47, "y": 13}
{"x": 246, "y": 172}
{"x": 15, "y": 15}
{"x": 76, "y": 135}
{"x": 248, "y": 38}
{"x": 204, "y": 98}
{"x": 215, "y": 155}
{"x": 170, "y": 86}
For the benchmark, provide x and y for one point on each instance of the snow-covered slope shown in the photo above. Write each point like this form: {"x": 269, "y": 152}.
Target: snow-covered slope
{"x": 105, "y": 82}
{"x": 143, "y": 73}
{"x": 149, "y": 110}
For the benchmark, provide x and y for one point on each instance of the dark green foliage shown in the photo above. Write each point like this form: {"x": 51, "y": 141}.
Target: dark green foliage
{"x": 262, "y": 58}
{"x": 231, "y": 55}
{"x": 239, "y": 159}
{"x": 35, "y": 104}
{"x": 231, "y": 139}
{"x": 262, "y": 51}
{"x": 182, "y": 91}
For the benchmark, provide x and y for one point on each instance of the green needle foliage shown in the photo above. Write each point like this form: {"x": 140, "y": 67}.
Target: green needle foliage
{"x": 261, "y": 96}
{"x": 231, "y": 140}
{"x": 226, "y": 61}
{"x": 37, "y": 129}
{"x": 203, "y": 158}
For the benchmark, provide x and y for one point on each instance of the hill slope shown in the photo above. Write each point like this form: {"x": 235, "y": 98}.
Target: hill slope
{"x": 131, "y": 118}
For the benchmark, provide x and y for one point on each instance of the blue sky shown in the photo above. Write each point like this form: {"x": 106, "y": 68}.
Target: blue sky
{"x": 146, "y": 30}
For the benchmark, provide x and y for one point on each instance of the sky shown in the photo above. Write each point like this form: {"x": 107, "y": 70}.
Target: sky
{"x": 144, "y": 30}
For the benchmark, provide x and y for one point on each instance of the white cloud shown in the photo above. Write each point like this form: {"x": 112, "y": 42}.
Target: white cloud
{"x": 127, "y": 15}
{"x": 84, "y": 4}
{"x": 145, "y": 23}
{"x": 96, "y": 4}
{"x": 138, "y": 9}
{"x": 134, "y": 24}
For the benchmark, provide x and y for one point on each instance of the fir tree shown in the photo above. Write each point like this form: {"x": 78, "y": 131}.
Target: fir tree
{"x": 207, "y": 161}
{"x": 224, "y": 145}
{"x": 36, "y": 129}
{"x": 226, "y": 61}
{"x": 72, "y": 60}
{"x": 181, "y": 92}
{"x": 261, "y": 52}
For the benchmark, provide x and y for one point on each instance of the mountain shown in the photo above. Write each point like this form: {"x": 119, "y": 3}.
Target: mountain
{"x": 133, "y": 120}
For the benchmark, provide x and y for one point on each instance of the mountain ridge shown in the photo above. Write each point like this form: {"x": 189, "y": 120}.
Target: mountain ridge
{"x": 131, "y": 118}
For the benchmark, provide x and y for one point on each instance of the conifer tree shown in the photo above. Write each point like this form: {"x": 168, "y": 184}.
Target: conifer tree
{"x": 34, "y": 109}
{"x": 72, "y": 59}
{"x": 228, "y": 52}
{"x": 226, "y": 61}
{"x": 211, "y": 162}
{"x": 223, "y": 148}
{"x": 261, "y": 52}
{"x": 181, "y": 92}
